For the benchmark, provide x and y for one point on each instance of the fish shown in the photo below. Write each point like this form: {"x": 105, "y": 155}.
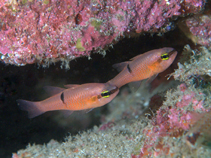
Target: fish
{"x": 76, "y": 98}
{"x": 143, "y": 66}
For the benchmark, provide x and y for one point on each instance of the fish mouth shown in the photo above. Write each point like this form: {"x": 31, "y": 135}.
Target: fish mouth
{"x": 114, "y": 90}
{"x": 173, "y": 52}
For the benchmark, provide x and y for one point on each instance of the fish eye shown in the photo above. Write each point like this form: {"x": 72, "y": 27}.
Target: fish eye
{"x": 165, "y": 56}
{"x": 105, "y": 94}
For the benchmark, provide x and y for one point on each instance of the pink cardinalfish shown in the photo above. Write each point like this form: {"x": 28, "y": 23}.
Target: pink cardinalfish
{"x": 75, "y": 98}
{"x": 144, "y": 66}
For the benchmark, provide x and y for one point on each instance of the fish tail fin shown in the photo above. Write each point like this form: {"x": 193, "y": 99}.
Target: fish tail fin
{"x": 31, "y": 107}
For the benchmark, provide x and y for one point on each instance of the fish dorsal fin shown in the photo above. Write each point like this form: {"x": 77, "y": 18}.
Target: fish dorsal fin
{"x": 120, "y": 66}
{"x": 53, "y": 90}
{"x": 71, "y": 85}
{"x": 136, "y": 57}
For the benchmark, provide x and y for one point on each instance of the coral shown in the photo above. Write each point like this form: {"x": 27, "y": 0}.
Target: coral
{"x": 198, "y": 29}
{"x": 172, "y": 120}
{"x": 191, "y": 6}
{"x": 199, "y": 134}
{"x": 50, "y": 30}
{"x": 93, "y": 143}
{"x": 198, "y": 65}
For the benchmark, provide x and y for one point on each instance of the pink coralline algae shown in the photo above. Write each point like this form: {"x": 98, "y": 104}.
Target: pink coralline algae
{"x": 51, "y": 30}
{"x": 199, "y": 134}
{"x": 107, "y": 126}
{"x": 198, "y": 29}
{"x": 171, "y": 121}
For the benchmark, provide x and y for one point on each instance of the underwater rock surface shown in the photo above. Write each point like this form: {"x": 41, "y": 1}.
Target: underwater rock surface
{"x": 47, "y": 31}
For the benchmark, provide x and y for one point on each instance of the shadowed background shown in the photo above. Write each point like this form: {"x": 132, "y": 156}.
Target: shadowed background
{"x": 27, "y": 82}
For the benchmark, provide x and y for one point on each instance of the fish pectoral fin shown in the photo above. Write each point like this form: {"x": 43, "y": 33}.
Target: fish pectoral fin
{"x": 53, "y": 90}
{"x": 71, "y": 85}
{"x": 120, "y": 66}
{"x": 149, "y": 80}
{"x": 88, "y": 110}
{"x": 134, "y": 86}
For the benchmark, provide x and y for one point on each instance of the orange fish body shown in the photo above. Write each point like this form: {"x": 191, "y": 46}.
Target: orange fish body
{"x": 144, "y": 66}
{"x": 80, "y": 97}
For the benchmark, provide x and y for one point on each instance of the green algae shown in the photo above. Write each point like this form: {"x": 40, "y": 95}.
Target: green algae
{"x": 46, "y": 2}
{"x": 96, "y": 24}
{"x": 79, "y": 45}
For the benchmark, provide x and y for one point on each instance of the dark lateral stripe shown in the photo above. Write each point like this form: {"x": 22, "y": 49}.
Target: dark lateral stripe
{"x": 128, "y": 68}
{"x": 62, "y": 97}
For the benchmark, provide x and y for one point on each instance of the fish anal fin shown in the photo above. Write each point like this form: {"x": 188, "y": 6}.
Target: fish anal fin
{"x": 53, "y": 90}
{"x": 120, "y": 66}
{"x": 66, "y": 113}
{"x": 71, "y": 85}
{"x": 31, "y": 107}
